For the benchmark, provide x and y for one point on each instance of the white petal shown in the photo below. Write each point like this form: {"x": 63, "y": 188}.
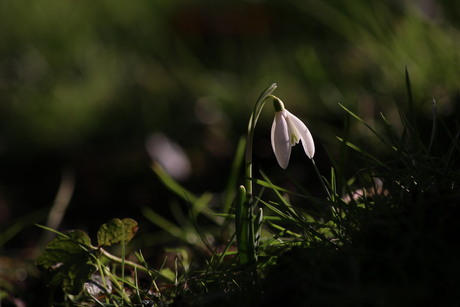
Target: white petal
{"x": 304, "y": 134}
{"x": 280, "y": 140}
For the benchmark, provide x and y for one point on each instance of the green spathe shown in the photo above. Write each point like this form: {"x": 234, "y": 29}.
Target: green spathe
{"x": 278, "y": 105}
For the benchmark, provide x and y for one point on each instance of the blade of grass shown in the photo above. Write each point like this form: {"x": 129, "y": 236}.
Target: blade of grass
{"x": 172, "y": 184}
{"x": 234, "y": 172}
{"x": 410, "y": 99}
{"x": 358, "y": 149}
{"x": 276, "y": 210}
{"x": 164, "y": 224}
{"x": 198, "y": 204}
{"x": 280, "y": 197}
{"x": 434, "y": 126}
{"x": 270, "y": 185}
{"x": 284, "y": 230}
{"x": 368, "y": 126}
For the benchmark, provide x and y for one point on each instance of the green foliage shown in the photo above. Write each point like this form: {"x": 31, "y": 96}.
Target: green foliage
{"x": 310, "y": 249}
{"x": 68, "y": 261}
{"x": 73, "y": 73}
{"x": 117, "y": 231}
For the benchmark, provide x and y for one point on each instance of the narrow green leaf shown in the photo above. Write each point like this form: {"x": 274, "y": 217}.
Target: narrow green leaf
{"x": 410, "y": 98}
{"x": 275, "y": 209}
{"x": 280, "y": 197}
{"x": 172, "y": 185}
{"x": 272, "y": 186}
{"x": 284, "y": 230}
{"x": 163, "y": 223}
{"x": 241, "y": 223}
{"x": 258, "y": 230}
{"x": 199, "y": 205}
{"x": 380, "y": 137}
{"x": 358, "y": 149}
{"x": 234, "y": 173}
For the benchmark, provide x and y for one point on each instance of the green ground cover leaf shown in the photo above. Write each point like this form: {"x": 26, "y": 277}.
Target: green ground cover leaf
{"x": 116, "y": 231}
{"x": 67, "y": 261}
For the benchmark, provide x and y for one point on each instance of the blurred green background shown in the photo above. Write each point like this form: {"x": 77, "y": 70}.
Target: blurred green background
{"x": 84, "y": 83}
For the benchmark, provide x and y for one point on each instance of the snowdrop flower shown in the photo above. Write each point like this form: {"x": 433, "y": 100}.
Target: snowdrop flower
{"x": 288, "y": 130}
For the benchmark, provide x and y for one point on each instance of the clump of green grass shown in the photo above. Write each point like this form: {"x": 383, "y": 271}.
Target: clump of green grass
{"x": 384, "y": 236}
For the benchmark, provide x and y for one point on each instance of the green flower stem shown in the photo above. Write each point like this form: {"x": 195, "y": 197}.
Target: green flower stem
{"x": 125, "y": 261}
{"x": 321, "y": 180}
{"x": 244, "y": 211}
{"x": 251, "y": 127}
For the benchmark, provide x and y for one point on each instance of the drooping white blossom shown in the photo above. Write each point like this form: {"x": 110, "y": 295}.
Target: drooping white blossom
{"x": 287, "y": 131}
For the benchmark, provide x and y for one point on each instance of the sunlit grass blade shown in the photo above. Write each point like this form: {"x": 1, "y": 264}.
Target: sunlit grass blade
{"x": 198, "y": 204}
{"x": 394, "y": 138}
{"x": 380, "y": 137}
{"x": 270, "y": 185}
{"x": 284, "y": 231}
{"x": 322, "y": 180}
{"x": 276, "y": 209}
{"x": 150, "y": 272}
{"x": 172, "y": 184}
{"x": 221, "y": 255}
{"x": 164, "y": 224}
{"x": 358, "y": 149}
{"x": 234, "y": 173}
{"x": 280, "y": 197}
